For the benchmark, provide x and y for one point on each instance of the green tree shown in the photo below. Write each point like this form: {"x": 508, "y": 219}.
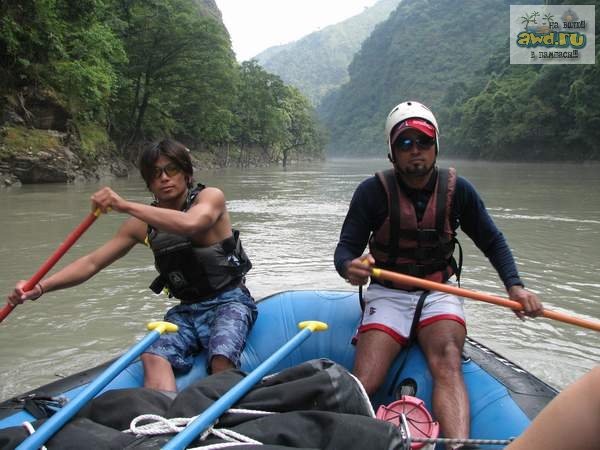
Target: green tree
{"x": 274, "y": 118}
{"x": 180, "y": 76}
{"x": 258, "y": 119}
{"x": 302, "y": 134}
{"x": 86, "y": 74}
{"x": 28, "y": 39}
{"x": 63, "y": 46}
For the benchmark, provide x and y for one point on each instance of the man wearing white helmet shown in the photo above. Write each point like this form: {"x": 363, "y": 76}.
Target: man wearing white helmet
{"x": 408, "y": 216}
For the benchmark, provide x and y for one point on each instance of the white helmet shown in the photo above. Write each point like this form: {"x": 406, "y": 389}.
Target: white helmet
{"x": 407, "y": 110}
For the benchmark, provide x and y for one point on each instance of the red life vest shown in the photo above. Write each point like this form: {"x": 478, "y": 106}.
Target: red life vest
{"x": 422, "y": 249}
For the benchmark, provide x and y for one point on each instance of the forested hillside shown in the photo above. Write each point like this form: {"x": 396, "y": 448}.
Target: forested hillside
{"x": 453, "y": 55}
{"x": 99, "y": 77}
{"x": 318, "y": 63}
{"x": 86, "y": 82}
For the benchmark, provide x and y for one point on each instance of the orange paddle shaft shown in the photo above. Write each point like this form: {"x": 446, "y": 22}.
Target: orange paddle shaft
{"x": 432, "y": 285}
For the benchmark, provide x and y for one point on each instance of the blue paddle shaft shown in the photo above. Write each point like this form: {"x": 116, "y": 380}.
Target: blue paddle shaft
{"x": 214, "y": 411}
{"x": 56, "y": 422}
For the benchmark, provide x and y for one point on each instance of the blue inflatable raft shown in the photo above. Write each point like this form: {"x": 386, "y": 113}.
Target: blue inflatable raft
{"x": 504, "y": 397}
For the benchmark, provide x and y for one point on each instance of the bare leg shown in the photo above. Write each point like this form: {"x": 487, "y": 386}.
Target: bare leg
{"x": 375, "y": 352}
{"x": 442, "y": 343}
{"x": 219, "y": 363}
{"x": 158, "y": 373}
{"x": 570, "y": 421}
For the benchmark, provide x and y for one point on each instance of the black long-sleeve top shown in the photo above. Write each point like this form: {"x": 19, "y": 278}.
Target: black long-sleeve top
{"x": 368, "y": 210}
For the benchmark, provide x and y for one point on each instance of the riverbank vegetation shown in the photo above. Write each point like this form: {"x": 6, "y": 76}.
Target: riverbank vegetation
{"x": 100, "y": 77}
{"x": 107, "y": 75}
{"x": 455, "y": 57}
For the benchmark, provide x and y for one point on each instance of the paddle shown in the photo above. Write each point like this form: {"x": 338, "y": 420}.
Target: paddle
{"x": 432, "y": 285}
{"x": 55, "y": 422}
{"x": 53, "y": 259}
{"x": 214, "y": 411}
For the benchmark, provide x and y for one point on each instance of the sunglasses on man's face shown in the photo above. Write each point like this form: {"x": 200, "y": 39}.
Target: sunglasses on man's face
{"x": 422, "y": 142}
{"x": 170, "y": 170}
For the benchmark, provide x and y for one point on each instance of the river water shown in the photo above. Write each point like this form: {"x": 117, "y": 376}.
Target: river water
{"x": 290, "y": 221}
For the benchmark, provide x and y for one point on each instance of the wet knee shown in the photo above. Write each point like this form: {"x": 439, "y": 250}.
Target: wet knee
{"x": 446, "y": 362}
{"x": 150, "y": 359}
{"x": 158, "y": 373}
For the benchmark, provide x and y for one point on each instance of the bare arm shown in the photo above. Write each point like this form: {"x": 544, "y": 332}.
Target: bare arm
{"x": 208, "y": 207}
{"x": 129, "y": 234}
{"x": 569, "y": 421}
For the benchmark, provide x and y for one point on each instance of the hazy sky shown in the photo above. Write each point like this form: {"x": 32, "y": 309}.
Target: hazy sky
{"x": 255, "y": 25}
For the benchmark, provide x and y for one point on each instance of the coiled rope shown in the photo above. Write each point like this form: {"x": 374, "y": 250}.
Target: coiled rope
{"x": 31, "y": 430}
{"x": 158, "y": 425}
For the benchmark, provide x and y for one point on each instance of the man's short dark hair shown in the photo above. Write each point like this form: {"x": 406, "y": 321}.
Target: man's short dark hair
{"x": 175, "y": 151}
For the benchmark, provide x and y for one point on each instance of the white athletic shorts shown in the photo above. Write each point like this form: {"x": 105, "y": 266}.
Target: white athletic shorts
{"x": 392, "y": 310}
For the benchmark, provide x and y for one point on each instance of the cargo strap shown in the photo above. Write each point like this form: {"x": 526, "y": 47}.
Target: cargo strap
{"x": 412, "y": 337}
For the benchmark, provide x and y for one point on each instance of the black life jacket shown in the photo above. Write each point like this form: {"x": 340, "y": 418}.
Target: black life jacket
{"x": 419, "y": 248}
{"x": 192, "y": 273}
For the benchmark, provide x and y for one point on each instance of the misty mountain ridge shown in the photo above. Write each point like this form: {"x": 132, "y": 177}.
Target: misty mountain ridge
{"x": 318, "y": 63}
{"x": 454, "y": 56}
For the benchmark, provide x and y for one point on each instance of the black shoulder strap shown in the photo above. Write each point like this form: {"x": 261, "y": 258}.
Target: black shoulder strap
{"x": 393, "y": 210}
{"x": 412, "y": 337}
{"x": 192, "y": 193}
{"x": 442, "y": 194}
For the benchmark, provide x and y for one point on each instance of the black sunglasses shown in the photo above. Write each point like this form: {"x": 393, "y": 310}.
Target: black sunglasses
{"x": 170, "y": 169}
{"x": 423, "y": 143}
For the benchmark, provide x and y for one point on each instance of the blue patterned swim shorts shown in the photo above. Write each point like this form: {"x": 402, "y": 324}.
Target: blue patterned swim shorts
{"x": 219, "y": 324}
